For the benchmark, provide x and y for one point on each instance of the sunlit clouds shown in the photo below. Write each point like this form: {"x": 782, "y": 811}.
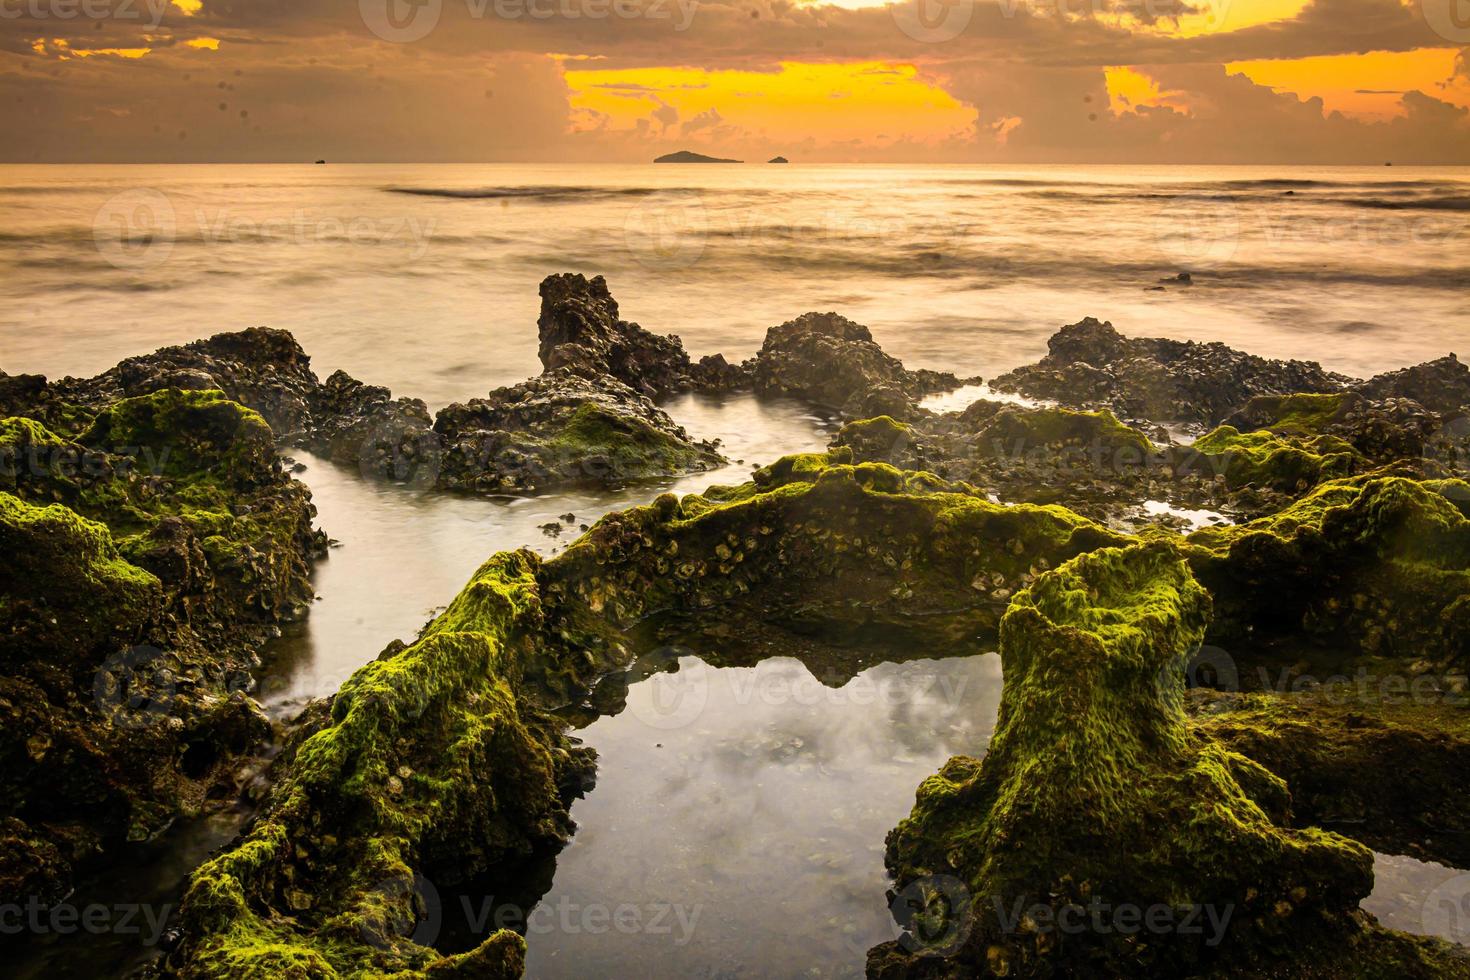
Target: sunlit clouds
{"x": 1145, "y": 81}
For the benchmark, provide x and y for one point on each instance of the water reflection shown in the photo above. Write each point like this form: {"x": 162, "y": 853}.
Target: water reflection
{"x": 755, "y": 800}
{"x": 404, "y": 553}
{"x": 1420, "y": 897}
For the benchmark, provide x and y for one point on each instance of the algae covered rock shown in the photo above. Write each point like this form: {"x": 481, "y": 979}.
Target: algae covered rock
{"x": 431, "y": 759}
{"x": 1373, "y": 565}
{"x": 262, "y": 368}
{"x": 1373, "y": 754}
{"x": 562, "y": 429}
{"x": 147, "y": 561}
{"x": 1100, "y": 835}
{"x": 440, "y": 760}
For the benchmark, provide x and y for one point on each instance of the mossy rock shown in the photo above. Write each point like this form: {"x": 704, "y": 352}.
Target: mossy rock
{"x": 1265, "y": 459}
{"x": 1095, "y": 793}
{"x": 1370, "y": 566}
{"x": 1015, "y": 432}
{"x": 441, "y": 758}
{"x": 1379, "y": 757}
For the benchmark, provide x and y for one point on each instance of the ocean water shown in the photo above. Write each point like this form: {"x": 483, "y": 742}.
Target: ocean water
{"x": 761, "y": 819}
{"x": 424, "y": 277}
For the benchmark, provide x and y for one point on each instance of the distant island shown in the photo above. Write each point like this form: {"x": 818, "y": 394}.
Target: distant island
{"x": 685, "y": 156}
{"x": 778, "y": 160}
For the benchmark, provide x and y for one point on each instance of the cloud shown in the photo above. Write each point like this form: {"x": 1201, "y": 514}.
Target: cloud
{"x": 316, "y": 81}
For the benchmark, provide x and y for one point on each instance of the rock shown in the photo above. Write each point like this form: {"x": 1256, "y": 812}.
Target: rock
{"x": 363, "y": 425}
{"x": 261, "y": 368}
{"x": 1442, "y": 386}
{"x": 1091, "y": 365}
{"x": 1322, "y": 739}
{"x": 1373, "y": 564}
{"x": 147, "y": 562}
{"x": 829, "y": 360}
{"x": 562, "y": 429}
{"x": 580, "y": 331}
{"x": 1096, "y": 797}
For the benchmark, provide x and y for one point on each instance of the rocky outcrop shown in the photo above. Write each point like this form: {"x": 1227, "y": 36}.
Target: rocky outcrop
{"x": 581, "y": 332}
{"x": 1091, "y": 365}
{"x": 1369, "y": 566}
{"x": 362, "y": 425}
{"x": 1101, "y": 835}
{"x": 1379, "y": 429}
{"x": 442, "y": 760}
{"x": 559, "y": 429}
{"x": 263, "y": 369}
{"x": 1322, "y": 738}
{"x": 833, "y": 362}
{"x": 1441, "y": 385}
{"x": 148, "y": 559}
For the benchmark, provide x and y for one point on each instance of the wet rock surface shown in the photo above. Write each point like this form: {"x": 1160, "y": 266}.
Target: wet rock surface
{"x": 561, "y": 429}
{"x": 159, "y": 542}
{"x": 1097, "y": 795}
{"x": 147, "y": 560}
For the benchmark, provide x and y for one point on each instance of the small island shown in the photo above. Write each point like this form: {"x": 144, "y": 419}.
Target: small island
{"x": 686, "y": 156}
{"x": 778, "y": 160}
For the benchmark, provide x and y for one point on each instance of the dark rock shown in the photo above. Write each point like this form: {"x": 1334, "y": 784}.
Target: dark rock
{"x": 146, "y": 564}
{"x": 829, "y": 360}
{"x": 1091, "y": 365}
{"x": 1441, "y": 385}
{"x": 581, "y": 332}
{"x": 562, "y": 429}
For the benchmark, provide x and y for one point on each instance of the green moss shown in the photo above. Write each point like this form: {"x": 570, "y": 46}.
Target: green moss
{"x": 440, "y": 757}
{"x": 629, "y": 446}
{"x": 1096, "y": 792}
{"x": 1414, "y": 738}
{"x": 430, "y": 758}
{"x": 1302, "y": 414}
{"x": 186, "y": 434}
{"x": 1015, "y": 431}
{"x": 69, "y": 591}
{"x": 1370, "y": 566}
{"x": 1264, "y": 459}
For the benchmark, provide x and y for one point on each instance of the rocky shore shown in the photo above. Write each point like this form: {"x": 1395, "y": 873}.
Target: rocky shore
{"x": 1160, "y": 746}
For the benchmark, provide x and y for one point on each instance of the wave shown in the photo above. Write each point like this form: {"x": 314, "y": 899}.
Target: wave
{"x": 546, "y": 193}
{"x": 1455, "y": 203}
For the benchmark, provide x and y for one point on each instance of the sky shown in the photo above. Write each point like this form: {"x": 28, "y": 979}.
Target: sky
{"x": 955, "y": 81}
